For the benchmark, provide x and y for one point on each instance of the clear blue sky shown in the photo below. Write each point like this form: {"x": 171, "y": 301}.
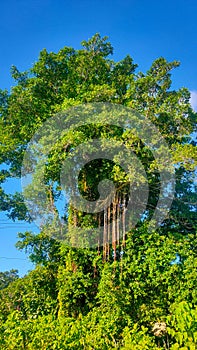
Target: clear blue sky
{"x": 144, "y": 29}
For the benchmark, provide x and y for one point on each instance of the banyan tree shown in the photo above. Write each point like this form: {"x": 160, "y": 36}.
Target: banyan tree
{"x": 92, "y": 173}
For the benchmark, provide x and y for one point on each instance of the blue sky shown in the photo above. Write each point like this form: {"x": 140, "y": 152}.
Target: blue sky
{"x": 144, "y": 29}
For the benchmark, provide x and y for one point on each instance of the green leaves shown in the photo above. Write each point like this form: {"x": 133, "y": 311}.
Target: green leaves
{"x": 183, "y": 326}
{"x": 7, "y": 277}
{"x": 98, "y": 46}
{"x": 111, "y": 296}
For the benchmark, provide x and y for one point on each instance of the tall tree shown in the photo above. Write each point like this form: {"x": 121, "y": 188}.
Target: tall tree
{"x": 70, "y": 77}
{"x": 123, "y": 293}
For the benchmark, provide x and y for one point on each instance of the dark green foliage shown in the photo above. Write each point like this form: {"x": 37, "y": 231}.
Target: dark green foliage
{"x": 138, "y": 294}
{"x": 7, "y": 277}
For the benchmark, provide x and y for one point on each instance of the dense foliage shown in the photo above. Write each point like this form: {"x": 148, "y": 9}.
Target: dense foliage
{"x": 7, "y": 277}
{"x": 136, "y": 293}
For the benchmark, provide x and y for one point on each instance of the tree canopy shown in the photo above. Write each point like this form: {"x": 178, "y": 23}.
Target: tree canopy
{"x": 135, "y": 288}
